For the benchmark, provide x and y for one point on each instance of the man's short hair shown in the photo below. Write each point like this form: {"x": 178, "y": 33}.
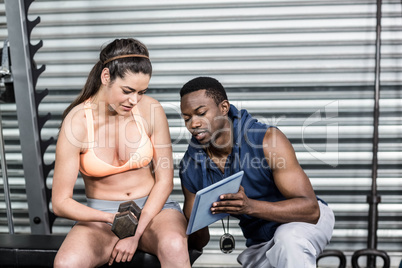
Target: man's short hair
{"x": 213, "y": 88}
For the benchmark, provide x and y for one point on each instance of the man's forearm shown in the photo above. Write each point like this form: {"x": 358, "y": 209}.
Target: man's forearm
{"x": 290, "y": 210}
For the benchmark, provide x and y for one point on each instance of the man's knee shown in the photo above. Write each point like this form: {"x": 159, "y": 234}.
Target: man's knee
{"x": 291, "y": 246}
{"x": 290, "y": 249}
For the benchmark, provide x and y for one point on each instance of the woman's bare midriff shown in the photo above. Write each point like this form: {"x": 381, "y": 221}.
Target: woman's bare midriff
{"x": 129, "y": 185}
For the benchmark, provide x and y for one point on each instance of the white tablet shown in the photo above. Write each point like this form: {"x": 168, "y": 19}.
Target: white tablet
{"x": 201, "y": 214}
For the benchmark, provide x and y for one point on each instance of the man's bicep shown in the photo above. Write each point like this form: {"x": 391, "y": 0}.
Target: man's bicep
{"x": 288, "y": 175}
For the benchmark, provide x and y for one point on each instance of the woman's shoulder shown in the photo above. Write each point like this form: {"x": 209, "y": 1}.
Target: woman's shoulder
{"x": 76, "y": 115}
{"x": 147, "y": 100}
{"x": 152, "y": 112}
{"x": 74, "y": 124}
{"x": 148, "y": 106}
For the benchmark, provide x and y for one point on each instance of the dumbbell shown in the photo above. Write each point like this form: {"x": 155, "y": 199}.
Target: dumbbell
{"x": 126, "y": 220}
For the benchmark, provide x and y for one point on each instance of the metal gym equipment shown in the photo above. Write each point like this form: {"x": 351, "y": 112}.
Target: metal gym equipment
{"x": 333, "y": 253}
{"x": 6, "y": 77}
{"x": 374, "y": 199}
{"x": 25, "y": 76}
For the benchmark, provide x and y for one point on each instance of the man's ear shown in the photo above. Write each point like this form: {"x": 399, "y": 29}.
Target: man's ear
{"x": 224, "y": 106}
{"x": 105, "y": 76}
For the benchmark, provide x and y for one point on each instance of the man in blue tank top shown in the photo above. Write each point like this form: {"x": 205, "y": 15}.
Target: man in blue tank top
{"x": 285, "y": 224}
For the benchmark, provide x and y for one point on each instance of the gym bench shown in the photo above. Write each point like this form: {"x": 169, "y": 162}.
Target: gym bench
{"x": 25, "y": 250}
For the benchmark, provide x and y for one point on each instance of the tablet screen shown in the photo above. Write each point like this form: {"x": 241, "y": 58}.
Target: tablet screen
{"x": 201, "y": 214}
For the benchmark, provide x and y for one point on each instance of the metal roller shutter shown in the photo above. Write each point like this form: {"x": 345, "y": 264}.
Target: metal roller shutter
{"x": 305, "y": 66}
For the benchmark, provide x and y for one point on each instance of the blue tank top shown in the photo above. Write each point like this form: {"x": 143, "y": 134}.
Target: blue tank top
{"x": 197, "y": 171}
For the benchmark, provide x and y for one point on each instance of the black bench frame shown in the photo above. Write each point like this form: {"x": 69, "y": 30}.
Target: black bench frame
{"x": 25, "y": 250}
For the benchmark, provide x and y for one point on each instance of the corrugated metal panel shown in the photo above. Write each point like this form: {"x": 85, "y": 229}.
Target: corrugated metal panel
{"x": 287, "y": 62}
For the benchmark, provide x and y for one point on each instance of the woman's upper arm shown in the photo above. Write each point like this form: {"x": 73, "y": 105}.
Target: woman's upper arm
{"x": 68, "y": 149}
{"x": 160, "y": 137}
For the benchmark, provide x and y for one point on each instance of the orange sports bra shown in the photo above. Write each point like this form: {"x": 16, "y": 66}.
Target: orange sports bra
{"x": 91, "y": 165}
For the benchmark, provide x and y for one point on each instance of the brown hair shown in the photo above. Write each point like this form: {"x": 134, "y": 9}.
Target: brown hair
{"x": 118, "y": 67}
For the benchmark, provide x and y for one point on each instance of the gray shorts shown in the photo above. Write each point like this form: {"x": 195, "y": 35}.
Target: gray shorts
{"x": 295, "y": 244}
{"x": 113, "y": 206}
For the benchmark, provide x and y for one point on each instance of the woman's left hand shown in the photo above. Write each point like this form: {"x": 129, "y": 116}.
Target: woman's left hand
{"x": 237, "y": 203}
{"x": 124, "y": 250}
